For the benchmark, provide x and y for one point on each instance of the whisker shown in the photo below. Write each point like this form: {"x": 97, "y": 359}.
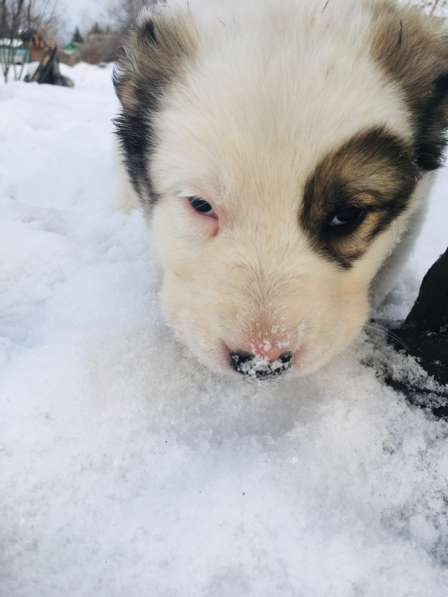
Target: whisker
{"x": 389, "y": 334}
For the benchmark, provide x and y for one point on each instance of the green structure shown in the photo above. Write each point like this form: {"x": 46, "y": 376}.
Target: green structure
{"x": 12, "y": 51}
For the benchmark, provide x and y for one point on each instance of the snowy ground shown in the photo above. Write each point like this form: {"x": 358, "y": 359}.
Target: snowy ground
{"x": 126, "y": 469}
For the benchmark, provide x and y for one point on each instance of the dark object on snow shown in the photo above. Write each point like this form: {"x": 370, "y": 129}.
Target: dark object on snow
{"x": 424, "y": 336}
{"x": 48, "y": 71}
{"x": 425, "y": 331}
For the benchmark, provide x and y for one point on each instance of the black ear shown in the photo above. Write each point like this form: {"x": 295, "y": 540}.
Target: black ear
{"x": 155, "y": 54}
{"x": 413, "y": 50}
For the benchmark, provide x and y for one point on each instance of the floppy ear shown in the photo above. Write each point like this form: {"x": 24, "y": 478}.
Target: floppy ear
{"x": 156, "y": 53}
{"x": 413, "y": 50}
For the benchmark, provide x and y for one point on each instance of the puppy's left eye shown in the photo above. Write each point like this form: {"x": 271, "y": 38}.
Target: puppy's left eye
{"x": 347, "y": 218}
{"x": 202, "y": 207}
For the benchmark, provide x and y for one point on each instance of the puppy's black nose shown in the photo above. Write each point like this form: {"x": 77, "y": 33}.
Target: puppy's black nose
{"x": 241, "y": 360}
{"x": 253, "y": 366}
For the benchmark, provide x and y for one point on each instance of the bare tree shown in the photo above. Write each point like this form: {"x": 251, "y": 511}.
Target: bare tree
{"x": 101, "y": 47}
{"x": 124, "y": 13}
{"x": 437, "y": 4}
{"x": 11, "y": 18}
{"x": 21, "y": 17}
{"x": 432, "y": 7}
{"x": 44, "y": 17}
{"x": 102, "y": 44}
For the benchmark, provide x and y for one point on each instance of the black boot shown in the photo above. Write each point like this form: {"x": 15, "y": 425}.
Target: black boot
{"x": 424, "y": 336}
{"x": 425, "y": 331}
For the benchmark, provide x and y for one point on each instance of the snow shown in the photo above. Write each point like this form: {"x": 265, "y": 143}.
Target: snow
{"x": 127, "y": 469}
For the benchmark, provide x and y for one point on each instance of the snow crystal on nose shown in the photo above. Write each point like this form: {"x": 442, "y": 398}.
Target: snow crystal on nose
{"x": 266, "y": 345}
{"x": 259, "y": 367}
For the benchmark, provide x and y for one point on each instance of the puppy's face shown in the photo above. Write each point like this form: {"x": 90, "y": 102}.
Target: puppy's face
{"x": 278, "y": 184}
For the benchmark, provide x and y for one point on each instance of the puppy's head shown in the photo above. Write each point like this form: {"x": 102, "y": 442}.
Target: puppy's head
{"x": 279, "y": 156}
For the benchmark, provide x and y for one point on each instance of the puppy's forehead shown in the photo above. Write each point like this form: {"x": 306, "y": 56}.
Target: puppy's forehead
{"x": 261, "y": 113}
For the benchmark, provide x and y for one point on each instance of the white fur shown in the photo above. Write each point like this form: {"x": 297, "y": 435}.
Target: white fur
{"x": 125, "y": 198}
{"x": 299, "y": 82}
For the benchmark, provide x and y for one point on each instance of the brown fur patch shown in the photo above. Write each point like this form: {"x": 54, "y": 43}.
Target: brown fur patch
{"x": 413, "y": 51}
{"x": 373, "y": 171}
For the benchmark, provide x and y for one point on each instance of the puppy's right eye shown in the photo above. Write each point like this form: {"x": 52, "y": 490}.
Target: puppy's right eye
{"x": 347, "y": 219}
{"x": 202, "y": 207}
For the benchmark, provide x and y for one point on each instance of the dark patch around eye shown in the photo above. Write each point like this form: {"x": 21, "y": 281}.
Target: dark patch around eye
{"x": 373, "y": 172}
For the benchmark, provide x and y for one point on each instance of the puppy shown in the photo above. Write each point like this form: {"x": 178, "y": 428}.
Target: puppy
{"x": 283, "y": 153}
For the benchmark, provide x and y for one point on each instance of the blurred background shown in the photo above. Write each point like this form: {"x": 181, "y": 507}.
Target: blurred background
{"x": 79, "y": 31}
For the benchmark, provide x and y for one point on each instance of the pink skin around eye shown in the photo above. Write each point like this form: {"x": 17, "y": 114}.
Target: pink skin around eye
{"x": 209, "y": 219}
